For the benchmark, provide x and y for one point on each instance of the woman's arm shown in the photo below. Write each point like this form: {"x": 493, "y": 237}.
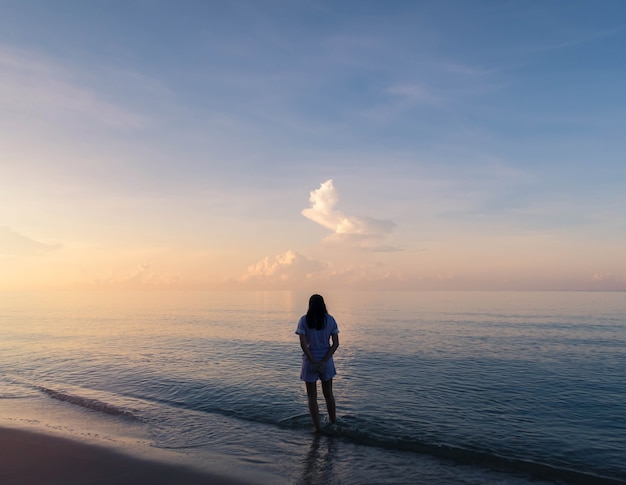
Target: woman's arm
{"x": 304, "y": 343}
{"x": 335, "y": 338}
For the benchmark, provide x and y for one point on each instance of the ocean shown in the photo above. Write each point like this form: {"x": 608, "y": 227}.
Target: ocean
{"x": 432, "y": 387}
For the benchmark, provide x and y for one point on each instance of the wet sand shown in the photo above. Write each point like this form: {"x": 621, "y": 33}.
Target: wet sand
{"x": 29, "y": 458}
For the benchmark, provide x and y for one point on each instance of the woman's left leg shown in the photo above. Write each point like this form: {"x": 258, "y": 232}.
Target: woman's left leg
{"x": 311, "y": 392}
{"x": 327, "y": 389}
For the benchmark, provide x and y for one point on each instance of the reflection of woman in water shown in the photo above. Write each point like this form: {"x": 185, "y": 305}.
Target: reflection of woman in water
{"x": 316, "y": 329}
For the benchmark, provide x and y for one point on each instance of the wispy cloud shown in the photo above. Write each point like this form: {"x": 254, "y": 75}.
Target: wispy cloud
{"x": 14, "y": 244}
{"x": 35, "y": 86}
{"x": 365, "y": 232}
{"x": 413, "y": 93}
{"x": 572, "y": 40}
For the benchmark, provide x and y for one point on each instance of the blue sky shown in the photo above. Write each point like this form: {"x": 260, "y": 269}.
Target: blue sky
{"x": 176, "y": 144}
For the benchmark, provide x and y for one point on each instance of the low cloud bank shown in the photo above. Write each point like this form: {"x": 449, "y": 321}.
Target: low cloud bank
{"x": 143, "y": 277}
{"x": 288, "y": 267}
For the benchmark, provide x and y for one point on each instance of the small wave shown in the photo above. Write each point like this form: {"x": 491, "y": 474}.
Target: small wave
{"x": 89, "y": 403}
{"x": 13, "y": 387}
{"x": 362, "y": 431}
{"x": 359, "y": 431}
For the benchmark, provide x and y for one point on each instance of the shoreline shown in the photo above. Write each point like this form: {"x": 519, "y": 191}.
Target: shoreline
{"x": 31, "y": 458}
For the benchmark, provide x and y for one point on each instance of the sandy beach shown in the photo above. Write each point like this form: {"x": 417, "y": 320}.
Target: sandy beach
{"x": 32, "y": 458}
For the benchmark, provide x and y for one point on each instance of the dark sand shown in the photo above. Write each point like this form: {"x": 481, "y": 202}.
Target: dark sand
{"x": 29, "y": 458}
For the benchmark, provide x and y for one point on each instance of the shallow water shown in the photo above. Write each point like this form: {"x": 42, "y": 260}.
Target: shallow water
{"x": 459, "y": 387}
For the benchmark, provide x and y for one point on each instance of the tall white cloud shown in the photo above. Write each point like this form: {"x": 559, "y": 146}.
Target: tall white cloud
{"x": 357, "y": 230}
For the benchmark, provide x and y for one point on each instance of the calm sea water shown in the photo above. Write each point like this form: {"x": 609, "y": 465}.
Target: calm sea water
{"x": 432, "y": 387}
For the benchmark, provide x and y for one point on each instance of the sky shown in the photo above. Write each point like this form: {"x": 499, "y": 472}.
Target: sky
{"x": 313, "y": 145}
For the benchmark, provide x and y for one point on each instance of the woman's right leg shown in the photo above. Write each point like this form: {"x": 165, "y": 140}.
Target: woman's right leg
{"x": 311, "y": 392}
{"x": 327, "y": 389}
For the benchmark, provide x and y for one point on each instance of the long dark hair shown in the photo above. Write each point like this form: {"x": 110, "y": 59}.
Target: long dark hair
{"x": 316, "y": 315}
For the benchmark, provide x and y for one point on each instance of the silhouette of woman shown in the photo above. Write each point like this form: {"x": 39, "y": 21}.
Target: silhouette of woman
{"x": 316, "y": 330}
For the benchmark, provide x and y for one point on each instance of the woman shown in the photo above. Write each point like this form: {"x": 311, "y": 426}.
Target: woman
{"x": 316, "y": 329}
